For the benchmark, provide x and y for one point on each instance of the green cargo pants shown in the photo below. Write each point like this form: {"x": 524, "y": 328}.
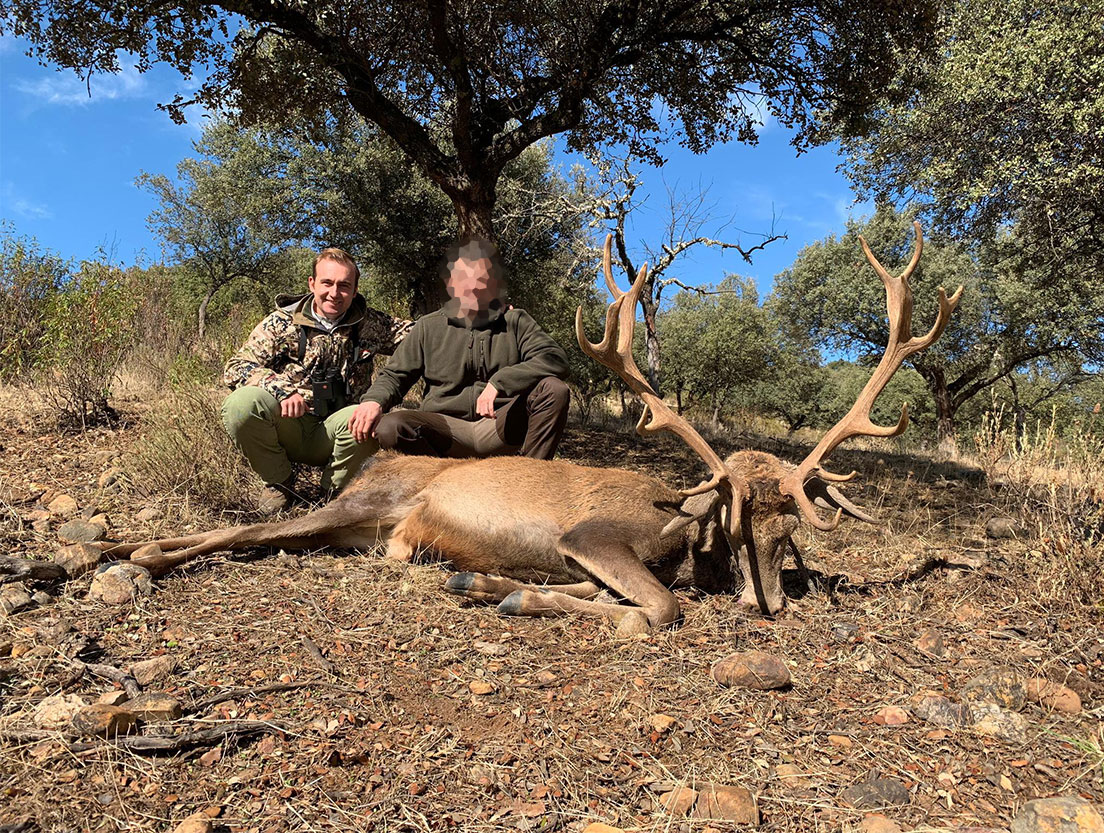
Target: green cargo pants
{"x": 271, "y": 443}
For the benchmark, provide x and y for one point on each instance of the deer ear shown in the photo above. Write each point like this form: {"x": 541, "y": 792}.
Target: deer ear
{"x": 693, "y": 508}
{"x": 828, "y": 496}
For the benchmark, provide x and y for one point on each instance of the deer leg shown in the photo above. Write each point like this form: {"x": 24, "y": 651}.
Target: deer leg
{"x": 493, "y": 589}
{"x": 612, "y": 563}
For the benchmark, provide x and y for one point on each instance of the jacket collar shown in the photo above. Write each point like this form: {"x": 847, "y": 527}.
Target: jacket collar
{"x": 300, "y": 309}
{"x": 485, "y": 320}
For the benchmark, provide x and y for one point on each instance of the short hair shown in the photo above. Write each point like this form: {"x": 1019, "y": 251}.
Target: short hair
{"x": 339, "y": 256}
{"x": 472, "y": 248}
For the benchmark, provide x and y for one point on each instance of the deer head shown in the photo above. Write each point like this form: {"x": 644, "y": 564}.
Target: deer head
{"x": 753, "y": 502}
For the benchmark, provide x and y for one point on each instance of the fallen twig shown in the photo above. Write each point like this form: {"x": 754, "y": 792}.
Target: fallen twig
{"x": 316, "y": 652}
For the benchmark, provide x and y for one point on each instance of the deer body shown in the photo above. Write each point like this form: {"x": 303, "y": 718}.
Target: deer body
{"x": 543, "y": 537}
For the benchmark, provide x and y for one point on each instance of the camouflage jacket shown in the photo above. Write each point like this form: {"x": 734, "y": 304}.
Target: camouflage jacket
{"x": 270, "y": 357}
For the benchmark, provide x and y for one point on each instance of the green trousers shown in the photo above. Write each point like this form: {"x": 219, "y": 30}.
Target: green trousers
{"x": 271, "y": 443}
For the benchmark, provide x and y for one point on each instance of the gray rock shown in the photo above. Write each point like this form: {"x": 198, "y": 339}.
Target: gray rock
{"x": 120, "y": 583}
{"x": 1002, "y": 528}
{"x": 751, "y": 669}
{"x": 78, "y": 559}
{"x": 41, "y": 597}
{"x": 64, "y": 506}
{"x": 995, "y": 722}
{"x": 844, "y": 631}
{"x": 881, "y": 792}
{"x": 939, "y": 710}
{"x": 151, "y": 670}
{"x": 1058, "y": 815}
{"x": 1000, "y": 686}
{"x": 931, "y": 643}
{"x": 150, "y": 513}
{"x": 57, "y": 712}
{"x": 75, "y": 532}
{"x": 14, "y": 598}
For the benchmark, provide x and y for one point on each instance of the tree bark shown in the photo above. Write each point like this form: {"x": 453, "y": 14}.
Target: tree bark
{"x": 944, "y": 411}
{"x": 202, "y": 323}
{"x": 651, "y": 341}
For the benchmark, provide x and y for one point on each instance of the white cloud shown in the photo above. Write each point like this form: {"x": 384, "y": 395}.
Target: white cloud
{"x": 68, "y": 90}
{"x": 11, "y": 201}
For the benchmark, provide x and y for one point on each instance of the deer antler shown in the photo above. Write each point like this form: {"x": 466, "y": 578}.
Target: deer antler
{"x": 857, "y": 421}
{"x": 615, "y": 352}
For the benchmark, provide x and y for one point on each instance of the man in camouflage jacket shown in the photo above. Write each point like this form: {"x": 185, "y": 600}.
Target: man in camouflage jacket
{"x": 298, "y": 376}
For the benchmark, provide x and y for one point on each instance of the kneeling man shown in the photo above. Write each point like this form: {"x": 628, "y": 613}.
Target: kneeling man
{"x": 494, "y": 378}
{"x": 297, "y": 377}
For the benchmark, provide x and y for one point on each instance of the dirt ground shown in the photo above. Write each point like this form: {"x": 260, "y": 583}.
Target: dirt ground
{"x": 426, "y": 713}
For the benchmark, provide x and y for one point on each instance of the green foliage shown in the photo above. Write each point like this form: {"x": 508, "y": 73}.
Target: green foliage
{"x": 86, "y": 332}
{"x": 29, "y": 279}
{"x": 464, "y": 87}
{"x": 1006, "y": 128}
{"x": 846, "y": 380}
{"x": 716, "y": 344}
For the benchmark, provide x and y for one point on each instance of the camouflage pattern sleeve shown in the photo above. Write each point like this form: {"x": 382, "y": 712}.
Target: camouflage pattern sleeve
{"x": 264, "y": 360}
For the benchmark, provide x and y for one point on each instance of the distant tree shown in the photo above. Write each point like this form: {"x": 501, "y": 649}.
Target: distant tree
{"x": 793, "y": 384}
{"x": 229, "y": 215}
{"x": 1002, "y": 323}
{"x": 464, "y": 86}
{"x": 1005, "y": 129}
{"x": 845, "y": 380}
{"x": 717, "y": 344}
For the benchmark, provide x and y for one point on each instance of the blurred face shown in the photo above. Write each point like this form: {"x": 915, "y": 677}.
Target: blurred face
{"x": 334, "y": 287}
{"x": 473, "y": 285}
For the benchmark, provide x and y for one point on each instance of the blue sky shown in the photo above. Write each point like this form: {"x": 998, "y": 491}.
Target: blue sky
{"x": 68, "y": 162}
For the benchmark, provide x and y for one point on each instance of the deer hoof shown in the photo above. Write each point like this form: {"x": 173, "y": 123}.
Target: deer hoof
{"x": 460, "y": 582}
{"x": 512, "y": 604}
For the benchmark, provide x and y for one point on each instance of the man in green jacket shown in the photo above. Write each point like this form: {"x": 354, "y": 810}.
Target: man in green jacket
{"x": 297, "y": 378}
{"x": 494, "y": 378}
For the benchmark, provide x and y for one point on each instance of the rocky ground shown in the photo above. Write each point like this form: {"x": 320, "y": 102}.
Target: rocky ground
{"x": 933, "y": 677}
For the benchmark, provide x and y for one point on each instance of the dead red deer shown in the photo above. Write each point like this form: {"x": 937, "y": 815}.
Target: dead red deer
{"x": 543, "y": 537}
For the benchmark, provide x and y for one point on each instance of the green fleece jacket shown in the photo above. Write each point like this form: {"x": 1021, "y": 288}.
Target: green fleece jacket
{"x": 510, "y": 351}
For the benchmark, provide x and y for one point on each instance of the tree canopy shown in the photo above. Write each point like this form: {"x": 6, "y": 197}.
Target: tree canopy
{"x": 1006, "y": 127}
{"x": 464, "y": 86}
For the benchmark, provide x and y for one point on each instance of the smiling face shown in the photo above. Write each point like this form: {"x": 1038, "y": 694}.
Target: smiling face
{"x": 334, "y": 285}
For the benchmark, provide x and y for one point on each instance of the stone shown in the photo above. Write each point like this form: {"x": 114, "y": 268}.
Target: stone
{"x": 999, "y": 686}
{"x": 76, "y": 532}
{"x": 151, "y": 670}
{"x": 63, "y": 506}
{"x": 112, "y": 698}
{"x": 57, "y": 712}
{"x": 1001, "y": 528}
{"x": 877, "y": 823}
{"x": 480, "y": 688}
{"x": 42, "y": 527}
{"x": 147, "y": 551}
{"x": 1051, "y": 695}
{"x": 1058, "y": 815}
{"x": 792, "y": 777}
{"x": 155, "y": 708}
{"x": 78, "y": 559}
{"x": 993, "y": 721}
{"x": 201, "y": 822}
{"x": 845, "y": 632}
{"x": 41, "y": 597}
{"x": 632, "y": 625}
{"x": 931, "y": 643}
{"x": 109, "y": 477}
{"x": 120, "y": 583}
{"x": 938, "y": 710}
{"x": 599, "y": 827}
{"x": 718, "y": 801}
{"x": 891, "y": 716}
{"x": 150, "y": 513}
{"x": 881, "y": 792}
{"x": 100, "y": 519}
{"x": 751, "y": 669}
{"x": 103, "y": 721}
{"x": 14, "y": 598}
{"x": 678, "y": 801}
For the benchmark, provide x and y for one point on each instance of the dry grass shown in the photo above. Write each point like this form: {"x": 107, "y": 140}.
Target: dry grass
{"x": 397, "y": 741}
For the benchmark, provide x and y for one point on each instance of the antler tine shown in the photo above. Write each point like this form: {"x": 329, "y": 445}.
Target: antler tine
{"x": 857, "y": 421}
{"x": 657, "y": 416}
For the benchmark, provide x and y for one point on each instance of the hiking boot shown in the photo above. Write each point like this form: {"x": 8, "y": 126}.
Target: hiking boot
{"x": 275, "y": 498}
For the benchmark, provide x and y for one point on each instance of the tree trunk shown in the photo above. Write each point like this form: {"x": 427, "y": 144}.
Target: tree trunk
{"x": 651, "y": 341}
{"x": 203, "y": 312}
{"x": 474, "y": 207}
{"x": 944, "y": 411}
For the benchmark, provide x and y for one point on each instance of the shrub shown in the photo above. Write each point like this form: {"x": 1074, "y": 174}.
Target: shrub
{"x": 29, "y": 279}
{"x": 85, "y": 333}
